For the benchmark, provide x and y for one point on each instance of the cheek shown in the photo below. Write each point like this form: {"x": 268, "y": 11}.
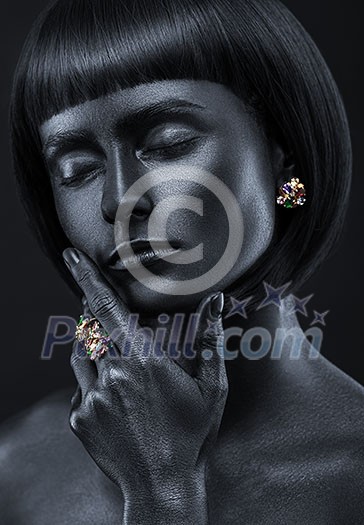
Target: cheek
{"x": 259, "y": 221}
{"x": 78, "y": 215}
{"x": 258, "y": 205}
{"x": 247, "y": 171}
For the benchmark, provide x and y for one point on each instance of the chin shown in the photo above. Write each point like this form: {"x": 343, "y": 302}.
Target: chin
{"x": 140, "y": 299}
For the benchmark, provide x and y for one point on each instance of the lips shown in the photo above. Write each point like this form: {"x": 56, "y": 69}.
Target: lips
{"x": 144, "y": 254}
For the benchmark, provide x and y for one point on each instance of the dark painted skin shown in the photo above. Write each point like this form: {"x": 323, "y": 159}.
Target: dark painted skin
{"x": 219, "y": 135}
{"x": 289, "y": 449}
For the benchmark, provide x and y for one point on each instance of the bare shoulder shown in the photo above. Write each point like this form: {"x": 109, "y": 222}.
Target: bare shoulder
{"x": 324, "y": 411}
{"x": 34, "y": 444}
{"x": 299, "y": 453}
{"x": 36, "y": 426}
{"x": 44, "y": 421}
{"x": 332, "y": 448}
{"x": 43, "y": 468}
{"x": 336, "y": 401}
{"x": 317, "y": 466}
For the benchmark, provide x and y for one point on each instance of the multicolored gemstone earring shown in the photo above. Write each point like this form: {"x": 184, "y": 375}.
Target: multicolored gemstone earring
{"x": 292, "y": 194}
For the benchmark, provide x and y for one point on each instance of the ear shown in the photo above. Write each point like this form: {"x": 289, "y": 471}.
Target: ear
{"x": 282, "y": 163}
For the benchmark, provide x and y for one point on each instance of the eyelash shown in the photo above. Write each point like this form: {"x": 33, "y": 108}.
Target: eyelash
{"x": 171, "y": 149}
{"x": 78, "y": 178}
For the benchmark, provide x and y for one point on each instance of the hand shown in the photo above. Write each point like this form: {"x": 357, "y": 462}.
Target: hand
{"x": 146, "y": 422}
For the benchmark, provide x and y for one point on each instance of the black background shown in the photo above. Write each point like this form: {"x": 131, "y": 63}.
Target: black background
{"x": 32, "y": 291}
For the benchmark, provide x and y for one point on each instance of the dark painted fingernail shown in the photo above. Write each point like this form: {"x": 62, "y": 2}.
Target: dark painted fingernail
{"x": 70, "y": 257}
{"x": 217, "y": 305}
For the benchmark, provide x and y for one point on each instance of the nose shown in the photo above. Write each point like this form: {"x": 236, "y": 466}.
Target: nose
{"x": 114, "y": 190}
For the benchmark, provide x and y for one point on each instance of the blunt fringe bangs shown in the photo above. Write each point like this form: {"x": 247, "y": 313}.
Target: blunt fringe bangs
{"x": 79, "y": 50}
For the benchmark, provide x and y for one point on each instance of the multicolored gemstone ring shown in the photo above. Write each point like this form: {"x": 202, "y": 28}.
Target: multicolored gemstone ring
{"x": 93, "y": 336}
{"x": 292, "y": 194}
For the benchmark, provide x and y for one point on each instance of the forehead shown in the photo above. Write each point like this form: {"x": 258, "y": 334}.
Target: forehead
{"x": 213, "y": 97}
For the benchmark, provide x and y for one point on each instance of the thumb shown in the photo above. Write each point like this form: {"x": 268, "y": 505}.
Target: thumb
{"x": 211, "y": 372}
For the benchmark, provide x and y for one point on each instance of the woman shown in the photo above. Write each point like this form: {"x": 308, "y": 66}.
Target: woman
{"x": 232, "y": 99}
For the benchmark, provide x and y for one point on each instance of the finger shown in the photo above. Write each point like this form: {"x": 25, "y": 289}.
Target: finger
{"x": 104, "y": 303}
{"x": 83, "y": 368}
{"x": 86, "y": 308}
{"x": 211, "y": 371}
{"x": 111, "y": 352}
{"x": 76, "y": 398}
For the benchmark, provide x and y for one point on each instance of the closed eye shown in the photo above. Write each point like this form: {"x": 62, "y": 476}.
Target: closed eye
{"x": 80, "y": 177}
{"x": 170, "y": 150}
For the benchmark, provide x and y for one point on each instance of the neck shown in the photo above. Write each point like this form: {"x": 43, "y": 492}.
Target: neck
{"x": 248, "y": 341}
{"x": 257, "y": 382}
{"x": 255, "y": 378}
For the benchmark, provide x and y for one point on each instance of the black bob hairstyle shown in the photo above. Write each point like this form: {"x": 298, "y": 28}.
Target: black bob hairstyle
{"x": 79, "y": 50}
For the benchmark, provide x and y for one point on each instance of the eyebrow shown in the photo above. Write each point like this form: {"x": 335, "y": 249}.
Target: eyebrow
{"x": 63, "y": 142}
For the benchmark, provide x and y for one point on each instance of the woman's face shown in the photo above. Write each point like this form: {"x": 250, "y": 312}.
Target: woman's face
{"x": 96, "y": 151}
